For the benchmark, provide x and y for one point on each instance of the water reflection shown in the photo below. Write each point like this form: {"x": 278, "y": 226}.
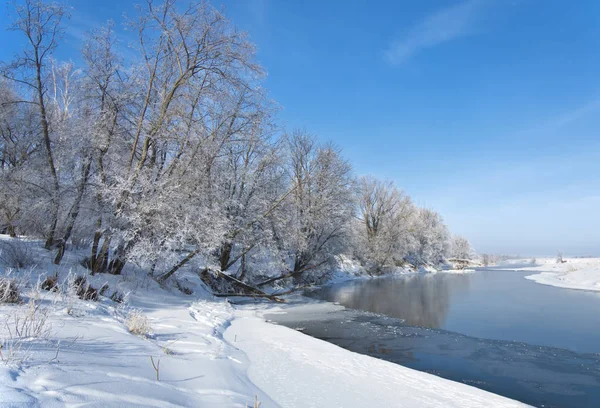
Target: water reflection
{"x": 420, "y": 300}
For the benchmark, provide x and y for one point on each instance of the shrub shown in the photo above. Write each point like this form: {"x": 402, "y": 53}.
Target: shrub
{"x": 84, "y": 290}
{"x": 117, "y": 297}
{"x": 50, "y": 283}
{"x": 9, "y": 291}
{"x": 103, "y": 289}
{"x": 15, "y": 254}
{"x": 137, "y": 323}
{"x": 22, "y": 325}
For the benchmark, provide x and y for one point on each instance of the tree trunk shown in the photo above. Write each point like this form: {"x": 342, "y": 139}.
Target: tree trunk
{"x": 225, "y": 255}
{"x": 174, "y": 269}
{"x": 48, "y": 146}
{"x": 101, "y": 262}
{"x": 243, "y": 267}
{"x": 74, "y": 212}
{"x": 95, "y": 244}
{"x": 11, "y": 231}
{"x": 116, "y": 266}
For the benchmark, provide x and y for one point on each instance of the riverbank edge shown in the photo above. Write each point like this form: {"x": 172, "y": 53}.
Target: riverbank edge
{"x": 318, "y": 360}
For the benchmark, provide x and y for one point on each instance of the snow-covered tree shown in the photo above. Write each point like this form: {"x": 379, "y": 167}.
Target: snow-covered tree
{"x": 383, "y": 232}
{"x": 312, "y": 225}
{"x": 432, "y": 237}
{"x": 172, "y": 157}
{"x": 41, "y": 25}
{"x": 460, "y": 248}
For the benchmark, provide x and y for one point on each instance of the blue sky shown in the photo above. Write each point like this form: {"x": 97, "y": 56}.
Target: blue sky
{"x": 485, "y": 110}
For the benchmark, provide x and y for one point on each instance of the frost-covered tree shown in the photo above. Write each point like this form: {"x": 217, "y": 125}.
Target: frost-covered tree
{"x": 460, "y": 248}
{"x": 312, "y": 225}
{"x": 432, "y": 237}
{"x": 41, "y": 25}
{"x": 194, "y": 89}
{"x": 18, "y": 153}
{"x": 172, "y": 158}
{"x": 383, "y": 232}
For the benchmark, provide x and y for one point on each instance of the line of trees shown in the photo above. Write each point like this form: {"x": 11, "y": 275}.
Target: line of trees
{"x": 170, "y": 156}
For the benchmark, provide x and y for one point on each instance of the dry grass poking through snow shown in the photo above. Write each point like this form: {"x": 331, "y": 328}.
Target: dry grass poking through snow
{"x": 137, "y": 323}
{"x": 23, "y": 325}
{"x": 9, "y": 291}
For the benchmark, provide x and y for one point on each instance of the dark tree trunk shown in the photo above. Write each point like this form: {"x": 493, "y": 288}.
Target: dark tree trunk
{"x": 174, "y": 269}
{"x": 243, "y": 267}
{"x": 50, "y": 156}
{"x": 74, "y": 212}
{"x": 95, "y": 244}
{"x": 225, "y": 255}
{"x": 101, "y": 263}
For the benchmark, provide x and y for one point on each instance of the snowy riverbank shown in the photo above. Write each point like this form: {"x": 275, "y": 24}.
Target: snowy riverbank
{"x": 573, "y": 273}
{"x": 212, "y": 354}
{"x": 300, "y": 371}
{"x": 198, "y": 351}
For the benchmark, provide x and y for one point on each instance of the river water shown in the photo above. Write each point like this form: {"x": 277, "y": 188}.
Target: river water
{"x": 492, "y": 329}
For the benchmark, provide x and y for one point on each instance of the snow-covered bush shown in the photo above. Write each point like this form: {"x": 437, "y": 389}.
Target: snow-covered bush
{"x": 137, "y": 323}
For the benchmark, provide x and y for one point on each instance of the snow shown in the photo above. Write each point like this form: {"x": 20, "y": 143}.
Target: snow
{"x": 106, "y": 366}
{"x": 575, "y": 273}
{"x": 212, "y": 354}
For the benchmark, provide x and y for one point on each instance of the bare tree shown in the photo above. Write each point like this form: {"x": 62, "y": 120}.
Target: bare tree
{"x": 40, "y": 22}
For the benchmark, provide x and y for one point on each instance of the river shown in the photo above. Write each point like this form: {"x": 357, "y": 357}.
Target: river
{"x": 492, "y": 329}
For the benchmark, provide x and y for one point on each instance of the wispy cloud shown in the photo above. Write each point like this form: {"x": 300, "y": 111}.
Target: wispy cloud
{"x": 441, "y": 26}
{"x": 563, "y": 120}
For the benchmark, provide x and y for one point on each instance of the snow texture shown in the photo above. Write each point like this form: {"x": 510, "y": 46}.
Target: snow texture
{"x": 574, "y": 273}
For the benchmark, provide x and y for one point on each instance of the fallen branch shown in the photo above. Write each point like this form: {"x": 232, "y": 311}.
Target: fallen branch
{"x": 290, "y": 274}
{"x": 254, "y": 291}
{"x": 163, "y": 278}
{"x": 255, "y": 295}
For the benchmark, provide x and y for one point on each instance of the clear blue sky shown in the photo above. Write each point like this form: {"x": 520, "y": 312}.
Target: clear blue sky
{"x": 485, "y": 110}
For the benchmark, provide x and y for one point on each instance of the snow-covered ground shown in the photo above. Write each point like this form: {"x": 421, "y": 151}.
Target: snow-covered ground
{"x": 101, "y": 364}
{"x": 209, "y": 353}
{"x": 573, "y": 273}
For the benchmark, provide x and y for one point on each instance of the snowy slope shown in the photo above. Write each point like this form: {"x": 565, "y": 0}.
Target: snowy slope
{"x": 109, "y": 367}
